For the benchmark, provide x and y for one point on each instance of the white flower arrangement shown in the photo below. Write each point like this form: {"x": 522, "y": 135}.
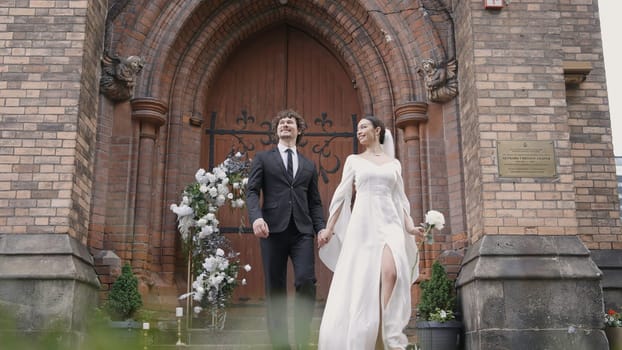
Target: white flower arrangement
{"x": 214, "y": 272}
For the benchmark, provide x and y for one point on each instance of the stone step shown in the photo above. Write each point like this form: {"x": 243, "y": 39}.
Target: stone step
{"x": 245, "y": 328}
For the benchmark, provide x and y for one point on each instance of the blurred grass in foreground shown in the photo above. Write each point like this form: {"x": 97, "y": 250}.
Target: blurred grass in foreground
{"x": 97, "y": 335}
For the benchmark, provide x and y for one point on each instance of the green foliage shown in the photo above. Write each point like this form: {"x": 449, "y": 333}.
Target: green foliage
{"x": 124, "y": 299}
{"x": 437, "y": 294}
{"x": 97, "y": 335}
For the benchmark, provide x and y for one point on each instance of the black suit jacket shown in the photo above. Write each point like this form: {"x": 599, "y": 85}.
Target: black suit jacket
{"x": 281, "y": 197}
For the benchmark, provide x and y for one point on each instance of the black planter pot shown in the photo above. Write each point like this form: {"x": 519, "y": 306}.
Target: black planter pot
{"x": 433, "y": 335}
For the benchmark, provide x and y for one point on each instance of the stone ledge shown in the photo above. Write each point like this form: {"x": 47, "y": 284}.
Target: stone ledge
{"x": 533, "y": 257}
{"x": 45, "y": 257}
{"x": 43, "y": 244}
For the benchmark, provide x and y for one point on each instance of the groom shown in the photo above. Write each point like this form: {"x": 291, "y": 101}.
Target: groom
{"x": 286, "y": 224}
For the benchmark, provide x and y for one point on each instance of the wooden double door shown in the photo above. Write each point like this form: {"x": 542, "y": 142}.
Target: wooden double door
{"x": 280, "y": 68}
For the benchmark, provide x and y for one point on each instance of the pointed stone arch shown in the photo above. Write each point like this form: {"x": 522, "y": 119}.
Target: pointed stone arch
{"x": 378, "y": 45}
{"x": 185, "y": 44}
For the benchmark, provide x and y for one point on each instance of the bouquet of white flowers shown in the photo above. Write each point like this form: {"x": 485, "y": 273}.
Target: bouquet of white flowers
{"x": 433, "y": 220}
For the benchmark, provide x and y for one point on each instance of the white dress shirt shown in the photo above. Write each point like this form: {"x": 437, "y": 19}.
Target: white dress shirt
{"x": 283, "y": 151}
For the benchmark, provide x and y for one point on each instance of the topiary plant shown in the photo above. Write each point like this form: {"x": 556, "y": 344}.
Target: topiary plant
{"x": 437, "y": 296}
{"x": 124, "y": 299}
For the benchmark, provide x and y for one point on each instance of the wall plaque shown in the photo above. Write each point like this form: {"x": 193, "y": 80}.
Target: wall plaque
{"x": 526, "y": 159}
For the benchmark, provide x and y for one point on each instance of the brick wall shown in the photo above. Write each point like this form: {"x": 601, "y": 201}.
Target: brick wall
{"x": 48, "y": 94}
{"x": 517, "y": 93}
{"x": 590, "y": 129}
{"x": 469, "y": 122}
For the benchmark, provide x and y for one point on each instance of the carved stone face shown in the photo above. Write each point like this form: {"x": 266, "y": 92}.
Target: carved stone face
{"x": 128, "y": 68}
{"x": 136, "y": 63}
{"x": 427, "y": 65}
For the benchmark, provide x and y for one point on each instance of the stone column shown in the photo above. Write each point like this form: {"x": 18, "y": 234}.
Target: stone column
{"x": 151, "y": 114}
{"x": 408, "y": 118}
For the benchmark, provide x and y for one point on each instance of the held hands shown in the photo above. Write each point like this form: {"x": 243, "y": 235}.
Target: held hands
{"x": 323, "y": 237}
{"x": 260, "y": 228}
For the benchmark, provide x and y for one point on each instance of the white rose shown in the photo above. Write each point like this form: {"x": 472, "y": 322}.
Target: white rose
{"x": 182, "y": 210}
{"x": 211, "y": 177}
{"x": 206, "y": 231}
{"x": 435, "y": 218}
{"x": 200, "y": 176}
{"x": 247, "y": 267}
{"x": 220, "y": 252}
{"x": 203, "y": 188}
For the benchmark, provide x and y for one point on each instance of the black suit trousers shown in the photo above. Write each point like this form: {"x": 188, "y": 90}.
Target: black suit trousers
{"x": 275, "y": 252}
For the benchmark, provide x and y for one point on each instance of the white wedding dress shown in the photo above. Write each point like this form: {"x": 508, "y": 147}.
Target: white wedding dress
{"x": 351, "y": 318}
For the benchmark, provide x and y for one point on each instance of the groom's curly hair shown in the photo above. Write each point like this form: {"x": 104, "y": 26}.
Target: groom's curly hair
{"x": 375, "y": 122}
{"x": 289, "y": 113}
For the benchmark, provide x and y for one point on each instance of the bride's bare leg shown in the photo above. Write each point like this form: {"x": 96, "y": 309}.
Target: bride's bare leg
{"x": 388, "y": 278}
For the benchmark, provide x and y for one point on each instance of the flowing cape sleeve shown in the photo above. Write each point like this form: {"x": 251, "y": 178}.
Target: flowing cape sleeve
{"x": 401, "y": 201}
{"x": 329, "y": 253}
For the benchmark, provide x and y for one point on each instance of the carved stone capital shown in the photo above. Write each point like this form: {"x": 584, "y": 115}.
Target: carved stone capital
{"x": 408, "y": 116}
{"x": 150, "y": 112}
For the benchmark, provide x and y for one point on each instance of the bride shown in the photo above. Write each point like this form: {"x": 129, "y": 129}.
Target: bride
{"x": 371, "y": 249}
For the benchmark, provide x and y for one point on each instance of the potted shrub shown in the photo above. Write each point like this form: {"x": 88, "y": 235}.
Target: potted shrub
{"x": 124, "y": 300}
{"x": 437, "y": 328}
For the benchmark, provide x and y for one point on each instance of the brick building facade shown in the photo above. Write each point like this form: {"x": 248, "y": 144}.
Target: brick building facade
{"x": 106, "y": 106}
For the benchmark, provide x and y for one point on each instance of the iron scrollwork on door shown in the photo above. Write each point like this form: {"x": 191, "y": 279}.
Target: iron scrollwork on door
{"x": 322, "y": 149}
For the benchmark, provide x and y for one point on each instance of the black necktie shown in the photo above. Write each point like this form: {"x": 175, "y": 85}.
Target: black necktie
{"x": 290, "y": 163}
